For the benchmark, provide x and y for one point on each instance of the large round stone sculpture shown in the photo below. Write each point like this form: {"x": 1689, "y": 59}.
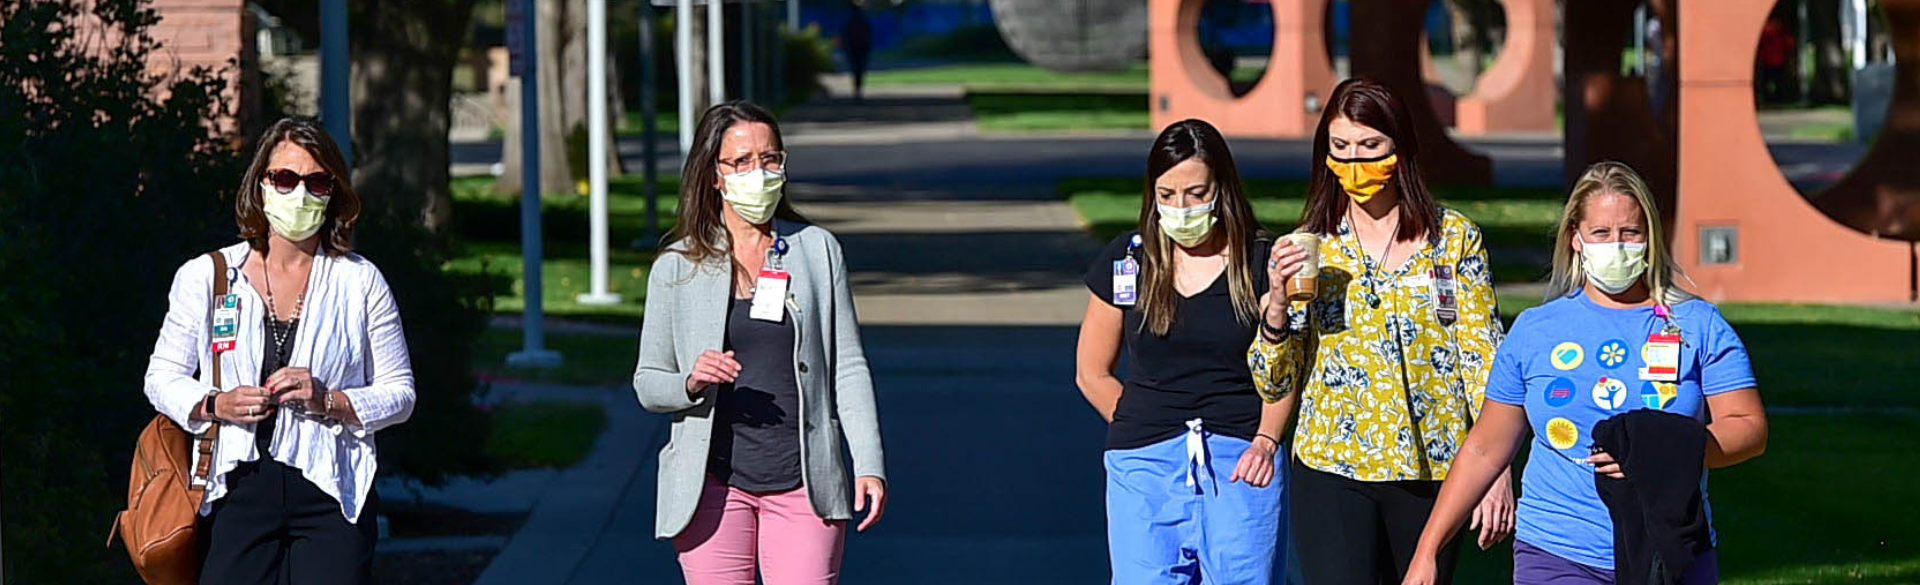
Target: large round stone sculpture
{"x": 1074, "y": 35}
{"x": 1743, "y": 233}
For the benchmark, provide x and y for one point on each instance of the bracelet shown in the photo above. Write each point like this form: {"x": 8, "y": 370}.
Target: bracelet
{"x": 1276, "y": 442}
{"x": 1270, "y": 333}
{"x": 328, "y": 413}
{"x": 207, "y": 404}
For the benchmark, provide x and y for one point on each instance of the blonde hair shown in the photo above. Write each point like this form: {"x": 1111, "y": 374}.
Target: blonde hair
{"x": 1604, "y": 178}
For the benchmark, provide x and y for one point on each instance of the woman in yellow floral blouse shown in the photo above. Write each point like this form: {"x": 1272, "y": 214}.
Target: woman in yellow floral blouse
{"x": 1391, "y": 355}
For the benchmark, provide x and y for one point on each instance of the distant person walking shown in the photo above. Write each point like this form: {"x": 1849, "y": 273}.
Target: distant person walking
{"x": 1616, "y": 335}
{"x": 856, "y": 39}
{"x": 751, "y": 343}
{"x": 1196, "y": 473}
{"x": 315, "y": 363}
{"x": 1776, "y": 54}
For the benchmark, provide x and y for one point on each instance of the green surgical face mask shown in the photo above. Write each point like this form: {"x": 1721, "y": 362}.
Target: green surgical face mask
{"x": 754, "y": 194}
{"x": 296, "y": 214}
{"x": 1188, "y": 226}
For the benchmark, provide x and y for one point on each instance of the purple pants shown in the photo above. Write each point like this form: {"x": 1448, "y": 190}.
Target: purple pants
{"x": 1533, "y": 566}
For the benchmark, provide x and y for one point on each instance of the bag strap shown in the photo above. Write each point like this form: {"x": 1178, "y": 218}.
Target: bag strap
{"x": 203, "y": 471}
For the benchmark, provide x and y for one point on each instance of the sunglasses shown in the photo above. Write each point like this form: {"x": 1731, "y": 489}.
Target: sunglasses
{"x": 320, "y": 184}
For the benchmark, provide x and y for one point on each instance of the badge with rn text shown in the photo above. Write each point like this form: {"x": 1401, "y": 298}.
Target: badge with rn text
{"x": 226, "y": 323}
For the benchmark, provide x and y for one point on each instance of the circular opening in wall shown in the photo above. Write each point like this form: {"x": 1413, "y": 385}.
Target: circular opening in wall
{"x": 1463, "y": 38}
{"x": 1823, "y": 87}
{"x": 1237, "y": 38}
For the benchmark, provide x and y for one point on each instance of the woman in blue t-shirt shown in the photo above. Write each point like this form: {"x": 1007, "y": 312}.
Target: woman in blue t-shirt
{"x": 1616, "y": 334}
{"x": 1195, "y": 468}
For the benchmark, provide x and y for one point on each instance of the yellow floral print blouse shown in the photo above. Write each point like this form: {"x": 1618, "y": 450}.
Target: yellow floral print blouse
{"x": 1387, "y": 388}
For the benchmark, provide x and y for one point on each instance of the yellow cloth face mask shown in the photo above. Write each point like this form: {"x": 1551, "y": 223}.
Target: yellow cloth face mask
{"x": 1363, "y": 178}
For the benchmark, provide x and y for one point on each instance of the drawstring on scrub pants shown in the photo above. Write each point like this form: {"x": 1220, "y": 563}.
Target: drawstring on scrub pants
{"x": 1197, "y": 461}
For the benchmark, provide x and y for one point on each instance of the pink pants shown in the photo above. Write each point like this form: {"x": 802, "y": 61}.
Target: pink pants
{"x": 732, "y": 528}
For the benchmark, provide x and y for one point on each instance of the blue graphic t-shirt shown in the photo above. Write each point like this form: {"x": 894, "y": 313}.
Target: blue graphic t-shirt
{"x": 1572, "y": 363}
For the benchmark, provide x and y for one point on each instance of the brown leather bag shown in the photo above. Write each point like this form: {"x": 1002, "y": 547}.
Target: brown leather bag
{"x": 163, "y": 502}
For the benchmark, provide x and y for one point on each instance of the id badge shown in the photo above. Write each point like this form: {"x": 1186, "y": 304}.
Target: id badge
{"x": 770, "y": 295}
{"x": 1126, "y": 275}
{"x": 226, "y": 323}
{"x": 1446, "y": 305}
{"x": 1662, "y": 354}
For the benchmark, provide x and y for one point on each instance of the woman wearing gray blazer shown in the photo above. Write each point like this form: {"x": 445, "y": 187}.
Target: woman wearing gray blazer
{"x": 751, "y": 343}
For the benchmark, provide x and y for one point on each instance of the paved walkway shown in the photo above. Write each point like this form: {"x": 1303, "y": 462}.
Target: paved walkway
{"x": 966, "y": 266}
{"x": 968, "y": 289}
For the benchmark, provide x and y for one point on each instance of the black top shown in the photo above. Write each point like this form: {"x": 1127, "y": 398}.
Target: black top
{"x": 1198, "y": 370}
{"x": 756, "y": 431}
{"x": 275, "y": 357}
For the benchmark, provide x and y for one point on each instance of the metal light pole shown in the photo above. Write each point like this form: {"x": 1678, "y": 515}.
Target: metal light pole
{"x": 597, "y": 139}
{"x": 683, "y": 54}
{"x": 746, "y": 49}
{"x": 648, "y": 156}
{"x": 533, "y": 352}
{"x": 716, "y": 55}
{"x": 336, "y": 110}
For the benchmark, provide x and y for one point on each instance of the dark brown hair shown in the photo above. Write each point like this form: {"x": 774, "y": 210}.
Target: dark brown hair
{"x": 1370, "y": 103}
{"x": 343, "y": 207}
{"x": 701, "y": 225}
{"x": 1193, "y": 139}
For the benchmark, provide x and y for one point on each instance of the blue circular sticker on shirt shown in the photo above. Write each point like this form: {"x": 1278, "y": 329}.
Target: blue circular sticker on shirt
{"x": 1612, "y": 354}
{"x": 1560, "y": 392}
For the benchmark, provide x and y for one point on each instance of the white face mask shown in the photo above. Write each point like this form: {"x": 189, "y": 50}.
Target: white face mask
{"x": 1613, "y": 267}
{"x": 294, "y": 214}
{"x": 1188, "y": 226}
{"x": 754, "y": 194}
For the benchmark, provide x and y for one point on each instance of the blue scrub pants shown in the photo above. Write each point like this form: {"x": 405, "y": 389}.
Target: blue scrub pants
{"x": 1173, "y": 516}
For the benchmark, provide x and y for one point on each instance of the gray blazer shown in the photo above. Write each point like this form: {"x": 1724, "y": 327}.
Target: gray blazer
{"x": 687, "y": 314}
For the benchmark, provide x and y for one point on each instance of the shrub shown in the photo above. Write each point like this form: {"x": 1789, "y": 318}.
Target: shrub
{"x": 110, "y": 177}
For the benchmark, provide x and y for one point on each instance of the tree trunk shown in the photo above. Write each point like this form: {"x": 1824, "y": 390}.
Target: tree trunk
{"x": 699, "y": 58}
{"x": 1830, "y": 70}
{"x": 403, "y": 54}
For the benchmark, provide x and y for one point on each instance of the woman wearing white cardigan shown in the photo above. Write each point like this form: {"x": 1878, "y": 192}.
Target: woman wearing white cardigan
{"x": 314, "y": 364}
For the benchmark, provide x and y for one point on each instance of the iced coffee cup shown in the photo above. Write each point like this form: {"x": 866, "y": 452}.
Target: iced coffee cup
{"x": 1305, "y": 284}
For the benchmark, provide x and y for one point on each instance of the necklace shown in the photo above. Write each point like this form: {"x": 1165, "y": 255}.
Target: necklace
{"x": 299, "y": 303}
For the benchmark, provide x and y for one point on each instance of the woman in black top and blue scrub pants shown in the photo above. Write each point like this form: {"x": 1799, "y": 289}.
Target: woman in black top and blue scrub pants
{"x": 1193, "y": 458}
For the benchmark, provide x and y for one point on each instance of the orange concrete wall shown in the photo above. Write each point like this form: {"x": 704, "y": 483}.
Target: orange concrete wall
{"x": 1188, "y": 87}
{"x": 1788, "y": 251}
{"x": 1517, "y": 93}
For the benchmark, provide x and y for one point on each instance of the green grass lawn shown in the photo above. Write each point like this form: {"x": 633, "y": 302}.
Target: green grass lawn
{"x": 1827, "y": 503}
{"x": 1011, "y": 75}
{"x": 489, "y": 246}
{"x": 665, "y": 121}
{"x": 537, "y": 434}
{"x": 1006, "y": 110}
{"x": 589, "y": 360}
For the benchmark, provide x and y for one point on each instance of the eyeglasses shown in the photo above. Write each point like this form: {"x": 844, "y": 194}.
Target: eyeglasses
{"x": 772, "y": 161}
{"x": 320, "y": 184}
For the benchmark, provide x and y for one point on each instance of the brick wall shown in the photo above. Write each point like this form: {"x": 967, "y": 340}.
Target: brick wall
{"x": 217, "y": 34}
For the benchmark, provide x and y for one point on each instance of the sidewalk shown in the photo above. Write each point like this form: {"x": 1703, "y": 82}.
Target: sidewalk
{"x": 968, "y": 288}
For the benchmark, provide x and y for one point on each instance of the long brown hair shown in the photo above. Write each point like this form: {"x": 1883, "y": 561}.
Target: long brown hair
{"x": 343, "y": 206}
{"x": 1610, "y": 177}
{"x": 1370, "y": 103}
{"x": 1193, "y": 139}
{"x": 701, "y": 225}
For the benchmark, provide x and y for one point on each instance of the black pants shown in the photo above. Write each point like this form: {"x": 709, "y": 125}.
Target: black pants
{"x": 1360, "y": 532}
{"x": 274, "y": 526}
